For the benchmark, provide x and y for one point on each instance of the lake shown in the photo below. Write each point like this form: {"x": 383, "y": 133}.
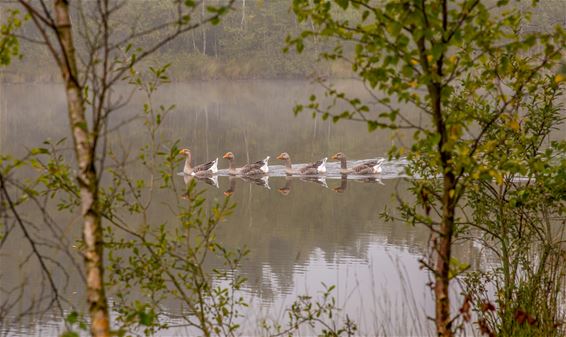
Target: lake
{"x": 301, "y": 233}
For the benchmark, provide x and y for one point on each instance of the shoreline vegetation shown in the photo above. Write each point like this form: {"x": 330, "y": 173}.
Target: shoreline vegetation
{"x": 194, "y": 67}
{"x": 246, "y": 45}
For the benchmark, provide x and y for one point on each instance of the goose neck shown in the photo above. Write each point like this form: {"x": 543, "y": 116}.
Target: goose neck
{"x": 188, "y": 167}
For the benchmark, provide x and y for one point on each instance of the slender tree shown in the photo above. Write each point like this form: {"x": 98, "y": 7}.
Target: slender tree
{"x": 466, "y": 65}
{"x": 89, "y": 72}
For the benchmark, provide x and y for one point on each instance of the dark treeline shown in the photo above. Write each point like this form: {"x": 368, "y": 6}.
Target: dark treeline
{"x": 247, "y": 44}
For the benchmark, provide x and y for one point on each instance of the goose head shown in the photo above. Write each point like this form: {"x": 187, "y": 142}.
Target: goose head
{"x": 184, "y": 152}
{"x": 338, "y": 156}
{"x": 228, "y": 155}
{"x": 284, "y": 156}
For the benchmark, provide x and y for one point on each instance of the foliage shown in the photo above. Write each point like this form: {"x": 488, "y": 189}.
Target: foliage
{"x": 9, "y": 43}
{"x": 163, "y": 261}
{"x": 167, "y": 262}
{"x": 109, "y": 51}
{"x": 470, "y": 69}
{"x": 521, "y": 223}
{"x": 308, "y": 312}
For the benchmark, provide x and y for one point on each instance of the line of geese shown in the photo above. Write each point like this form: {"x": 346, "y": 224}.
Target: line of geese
{"x": 261, "y": 167}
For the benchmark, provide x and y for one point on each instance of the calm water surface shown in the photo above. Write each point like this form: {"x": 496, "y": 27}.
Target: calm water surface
{"x": 302, "y": 234}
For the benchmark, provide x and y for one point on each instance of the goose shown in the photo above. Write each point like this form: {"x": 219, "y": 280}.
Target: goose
{"x": 204, "y": 170}
{"x": 258, "y": 168}
{"x": 309, "y": 169}
{"x": 368, "y": 167}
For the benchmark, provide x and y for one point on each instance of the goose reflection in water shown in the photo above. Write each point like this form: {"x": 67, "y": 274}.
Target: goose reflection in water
{"x": 370, "y": 180}
{"x": 231, "y": 186}
{"x": 286, "y": 189}
{"x": 212, "y": 180}
{"x": 317, "y": 180}
{"x": 262, "y": 181}
{"x": 344, "y": 182}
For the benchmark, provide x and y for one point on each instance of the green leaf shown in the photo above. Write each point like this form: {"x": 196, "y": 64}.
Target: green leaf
{"x": 72, "y": 318}
{"x": 372, "y": 125}
{"x": 343, "y": 3}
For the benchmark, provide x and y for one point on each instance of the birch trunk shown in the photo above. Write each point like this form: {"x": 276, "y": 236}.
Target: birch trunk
{"x": 87, "y": 178}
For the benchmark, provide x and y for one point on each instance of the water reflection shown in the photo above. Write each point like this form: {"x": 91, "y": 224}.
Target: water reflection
{"x": 212, "y": 180}
{"x": 262, "y": 181}
{"x": 286, "y": 189}
{"x": 299, "y": 237}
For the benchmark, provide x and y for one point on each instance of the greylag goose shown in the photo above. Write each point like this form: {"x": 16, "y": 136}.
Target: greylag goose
{"x": 204, "y": 170}
{"x": 368, "y": 167}
{"x": 309, "y": 169}
{"x": 258, "y": 168}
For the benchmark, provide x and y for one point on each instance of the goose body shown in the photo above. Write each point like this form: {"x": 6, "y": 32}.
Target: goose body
{"x": 315, "y": 168}
{"x": 368, "y": 167}
{"x": 260, "y": 167}
{"x": 203, "y": 170}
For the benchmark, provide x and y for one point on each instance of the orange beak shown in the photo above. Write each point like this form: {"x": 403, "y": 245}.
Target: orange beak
{"x": 280, "y": 157}
{"x": 183, "y": 152}
{"x": 226, "y": 155}
{"x": 334, "y": 157}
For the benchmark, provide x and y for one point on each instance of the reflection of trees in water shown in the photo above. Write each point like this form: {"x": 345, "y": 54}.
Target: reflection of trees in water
{"x": 290, "y": 225}
{"x": 284, "y": 235}
{"x": 40, "y": 269}
{"x": 287, "y": 229}
{"x": 282, "y": 232}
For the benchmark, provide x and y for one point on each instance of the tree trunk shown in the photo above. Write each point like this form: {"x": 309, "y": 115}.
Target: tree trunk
{"x": 443, "y": 241}
{"x": 203, "y": 5}
{"x": 443, "y": 254}
{"x": 87, "y": 178}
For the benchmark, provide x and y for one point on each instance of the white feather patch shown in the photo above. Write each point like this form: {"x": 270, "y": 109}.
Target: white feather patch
{"x": 322, "y": 167}
{"x": 214, "y": 167}
{"x": 265, "y": 167}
